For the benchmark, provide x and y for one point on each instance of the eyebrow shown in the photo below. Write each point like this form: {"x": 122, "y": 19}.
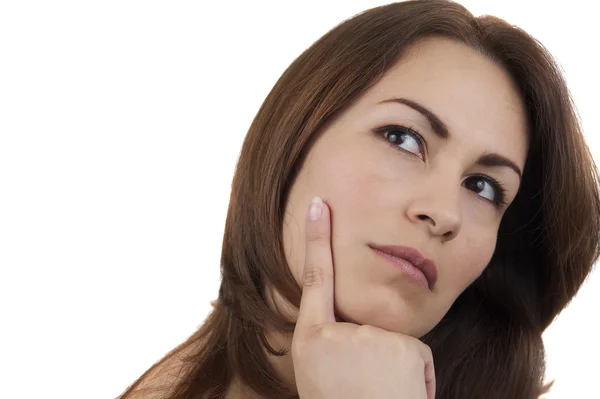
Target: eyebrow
{"x": 441, "y": 130}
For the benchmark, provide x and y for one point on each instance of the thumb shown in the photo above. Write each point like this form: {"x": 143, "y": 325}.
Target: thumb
{"x": 316, "y": 305}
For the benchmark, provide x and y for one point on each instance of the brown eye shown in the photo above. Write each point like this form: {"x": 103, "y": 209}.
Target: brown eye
{"x": 487, "y": 188}
{"x": 403, "y": 138}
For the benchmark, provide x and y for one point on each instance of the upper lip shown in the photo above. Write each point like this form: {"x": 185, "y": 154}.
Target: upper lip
{"x": 414, "y": 256}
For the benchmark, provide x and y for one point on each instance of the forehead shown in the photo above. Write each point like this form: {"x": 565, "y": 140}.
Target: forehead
{"x": 472, "y": 95}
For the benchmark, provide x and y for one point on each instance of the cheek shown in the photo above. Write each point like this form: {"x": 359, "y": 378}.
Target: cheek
{"x": 472, "y": 257}
{"x": 364, "y": 182}
{"x": 343, "y": 180}
{"x": 293, "y": 235}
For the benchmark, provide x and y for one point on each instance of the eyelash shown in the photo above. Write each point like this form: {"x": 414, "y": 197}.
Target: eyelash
{"x": 500, "y": 197}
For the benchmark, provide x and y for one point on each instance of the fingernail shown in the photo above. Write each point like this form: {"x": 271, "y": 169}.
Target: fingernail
{"x": 316, "y": 208}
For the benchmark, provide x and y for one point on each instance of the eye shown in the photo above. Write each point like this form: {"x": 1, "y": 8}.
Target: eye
{"x": 408, "y": 140}
{"x": 403, "y": 138}
{"x": 487, "y": 188}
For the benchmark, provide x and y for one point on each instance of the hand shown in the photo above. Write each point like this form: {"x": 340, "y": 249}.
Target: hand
{"x": 343, "y": 360}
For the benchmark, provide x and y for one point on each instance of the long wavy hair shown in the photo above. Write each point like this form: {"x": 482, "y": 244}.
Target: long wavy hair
{"x": 489, "y": 344}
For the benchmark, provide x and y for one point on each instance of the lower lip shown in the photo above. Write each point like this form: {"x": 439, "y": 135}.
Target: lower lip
{"x": 406, "y": 267}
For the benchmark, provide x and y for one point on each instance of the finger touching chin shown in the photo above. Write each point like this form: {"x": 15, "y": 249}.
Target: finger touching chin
{"x": 379, "y": 310}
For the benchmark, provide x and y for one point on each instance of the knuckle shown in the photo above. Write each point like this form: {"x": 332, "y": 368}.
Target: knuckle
{"x": 306, "y": 346}
{"x": 312, "y": 276}
{"x": 365, "y": 332}
{"x": 418, "y": 360}
{"x": 327, "y": 333}
{"x": 428, "y": 350}
{"x": 315, "y": 236}
{"x": 317, "y": 232}
{"x": 428, "y": 353}
{"x": 406, "y": 345}
{"x": 414, "y": 348}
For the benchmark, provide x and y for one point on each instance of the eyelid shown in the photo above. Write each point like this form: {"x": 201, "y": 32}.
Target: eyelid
{"x": 404, "y": 129}
{"x": 498, "y": 187}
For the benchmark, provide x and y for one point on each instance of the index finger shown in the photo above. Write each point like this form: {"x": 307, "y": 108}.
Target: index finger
{"x": 316, "y": 304}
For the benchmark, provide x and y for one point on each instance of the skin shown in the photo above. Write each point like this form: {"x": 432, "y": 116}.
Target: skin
{"x": 344, "y": 360}
{"x": 395, "y": 193}
{"x": 379, "y": 194}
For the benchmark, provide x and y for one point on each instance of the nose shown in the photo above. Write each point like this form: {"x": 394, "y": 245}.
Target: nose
{"x": 437, "y": 207}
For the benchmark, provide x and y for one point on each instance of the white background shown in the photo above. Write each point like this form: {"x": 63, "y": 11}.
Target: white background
{"x": 120, "y": 125}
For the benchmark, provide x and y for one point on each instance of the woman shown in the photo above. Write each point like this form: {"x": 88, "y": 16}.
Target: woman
{"x": 427, "y": 135}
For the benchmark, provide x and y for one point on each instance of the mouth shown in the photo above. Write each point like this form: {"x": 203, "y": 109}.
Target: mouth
{"x": 418, "y": 265}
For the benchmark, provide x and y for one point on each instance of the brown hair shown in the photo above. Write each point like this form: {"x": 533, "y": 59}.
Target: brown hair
{"x": 489, "y": 344}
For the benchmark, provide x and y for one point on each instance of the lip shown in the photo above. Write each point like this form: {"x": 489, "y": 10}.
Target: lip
{"x": 415, "y": 257}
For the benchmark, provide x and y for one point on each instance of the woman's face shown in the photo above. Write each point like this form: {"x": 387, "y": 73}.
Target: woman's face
{"x": 384, "y": 187}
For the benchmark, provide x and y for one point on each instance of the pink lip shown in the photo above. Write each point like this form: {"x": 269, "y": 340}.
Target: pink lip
{"x": 419, "y": 267}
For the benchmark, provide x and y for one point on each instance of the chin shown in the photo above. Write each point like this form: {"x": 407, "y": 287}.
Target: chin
{"x": 398, "y": 320}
